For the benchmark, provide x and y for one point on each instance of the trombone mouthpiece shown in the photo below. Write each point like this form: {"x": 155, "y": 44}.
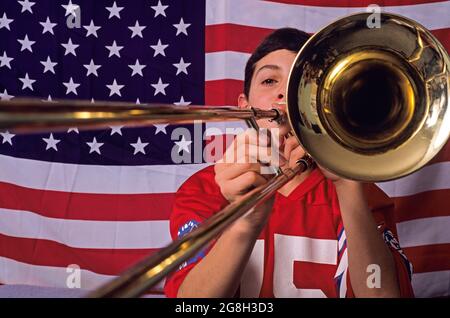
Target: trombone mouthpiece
{"x": 281, "y": 118}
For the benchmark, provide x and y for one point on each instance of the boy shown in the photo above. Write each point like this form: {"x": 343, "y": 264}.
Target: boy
{"x": 294, "y": 245}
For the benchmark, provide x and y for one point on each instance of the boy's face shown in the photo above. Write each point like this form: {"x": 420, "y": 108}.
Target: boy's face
{"x": 268, "y": 85}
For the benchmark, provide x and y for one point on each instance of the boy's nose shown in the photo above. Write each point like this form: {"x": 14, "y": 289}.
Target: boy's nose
{"x": 281, "y": 102}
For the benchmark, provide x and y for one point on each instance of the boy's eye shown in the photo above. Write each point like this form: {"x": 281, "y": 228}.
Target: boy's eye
{"x": 269, "y": 81}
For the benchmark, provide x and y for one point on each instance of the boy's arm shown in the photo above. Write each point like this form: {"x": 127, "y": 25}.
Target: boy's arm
{"x": 218, "y": 274}
{"x": 365, "y": 244}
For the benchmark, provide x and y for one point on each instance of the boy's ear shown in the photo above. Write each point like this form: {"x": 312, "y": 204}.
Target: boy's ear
{"x": 242, "y": 101}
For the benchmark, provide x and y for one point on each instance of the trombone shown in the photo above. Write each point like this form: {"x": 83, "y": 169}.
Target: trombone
{"x": 369, "y": 104}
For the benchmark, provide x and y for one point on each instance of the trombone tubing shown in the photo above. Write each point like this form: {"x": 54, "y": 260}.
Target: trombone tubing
{"x": 30, "y": 115}
{"x": 140, "y": 278}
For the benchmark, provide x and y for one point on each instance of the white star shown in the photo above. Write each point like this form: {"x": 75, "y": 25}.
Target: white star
{"x": 183, "y": 144}
{"x": 27, "y": 82}
{"x": 70, "y": 48}
{"x": 159, "y": 48}
{"x": 51, "y": 142}
{"x": 26, "y": 5}
{"x": 5, "y": 96}
{"x": 115, "y": 88}
{"x": 182, "y": 66}
{"x": 182, "y": 102}
{"x": 92, "y": 29}
{"x": 139, "y": 146}
{"x": 48, "y": 26}
{"x": 49, "y": 66}
{"x": 116, "y": 130}
{"x": 71, "y": 87}
{"x": 92, "y": 68}
{"x": 7, "y": 137}
{"x": 5, "y": 22}
{"x": 137, "y": 68}
{"x": 26, "y": 44}
{"x": 114, "y": 49}
{"x": 114, "y": 11}
{"x": 182, "y": 27}
{"x": 74, "y": 129}
{"x": 5, "y": 60}
{"x": 137, "y": 30}
{"x": 95, "y": 146}
{"x": 160, "y": 87}
{"x": 161, "y": 128}
{"x": 71, "y": 9}
{"x": 159, "y": 9}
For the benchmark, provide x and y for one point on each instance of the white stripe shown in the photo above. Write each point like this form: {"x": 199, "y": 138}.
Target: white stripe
{"x": 343, "y": 264}
{"x": 322, "y": 251}
{"x": 432, "y": 177}
{"x": 266, "y": 14}
{"x": 343, "y": 289}
{"x": 342, "y": 269}
{"x": 221, "y": 128}
{"x": 432, "y": 284}
{"x": 426, "y": 231}
{"x": 342, "y": 240}
{"x": 17, "y": 273}
{"x": 26, "y": 291}
{"x": 225, "y": 65}
{"x": 95, "y": 179}
{"x": 86, "y": 234}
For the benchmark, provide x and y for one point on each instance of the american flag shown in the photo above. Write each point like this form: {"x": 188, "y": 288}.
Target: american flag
{"x": 101, "y": 199}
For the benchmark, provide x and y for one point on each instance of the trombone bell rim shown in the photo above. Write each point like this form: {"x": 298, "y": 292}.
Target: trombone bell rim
{"x": 419, "y": 127}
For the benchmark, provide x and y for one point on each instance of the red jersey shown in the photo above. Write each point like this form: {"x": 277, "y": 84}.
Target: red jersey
{"x": 302, "y": 250}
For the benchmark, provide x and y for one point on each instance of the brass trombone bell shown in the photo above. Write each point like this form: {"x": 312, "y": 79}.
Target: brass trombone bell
{"x": 371, "y": 104}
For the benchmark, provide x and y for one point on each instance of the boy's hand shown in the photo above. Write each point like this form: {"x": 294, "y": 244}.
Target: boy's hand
{"x": 240, "y": 171}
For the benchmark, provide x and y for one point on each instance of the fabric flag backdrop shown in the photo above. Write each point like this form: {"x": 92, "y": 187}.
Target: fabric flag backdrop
{"x": 101, "y": 199}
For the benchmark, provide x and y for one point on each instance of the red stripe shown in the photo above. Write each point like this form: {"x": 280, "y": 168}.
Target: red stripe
{"x": 223, "y": 92}
{"x": 429, "y": 258}
{"x": 443, "y": 155}
{"x": 443, "y": 36}
{"x": 49, "y": 253}
{"x": 222, "y": 37}
{"x": 423, "y": 205}
{"x": 87, "y": 206}
{"x": 354, "y": 3}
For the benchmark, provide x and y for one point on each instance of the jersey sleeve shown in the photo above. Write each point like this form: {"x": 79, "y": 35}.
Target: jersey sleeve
{"x": 196, "y": 200}
{"x": 383, "y": 211}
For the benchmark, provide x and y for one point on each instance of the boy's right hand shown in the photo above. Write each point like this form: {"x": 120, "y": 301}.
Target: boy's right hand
{"x": 240, "y": 171}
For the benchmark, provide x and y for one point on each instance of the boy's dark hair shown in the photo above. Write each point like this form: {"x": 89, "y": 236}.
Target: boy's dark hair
{"x": 286, "y": 38}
